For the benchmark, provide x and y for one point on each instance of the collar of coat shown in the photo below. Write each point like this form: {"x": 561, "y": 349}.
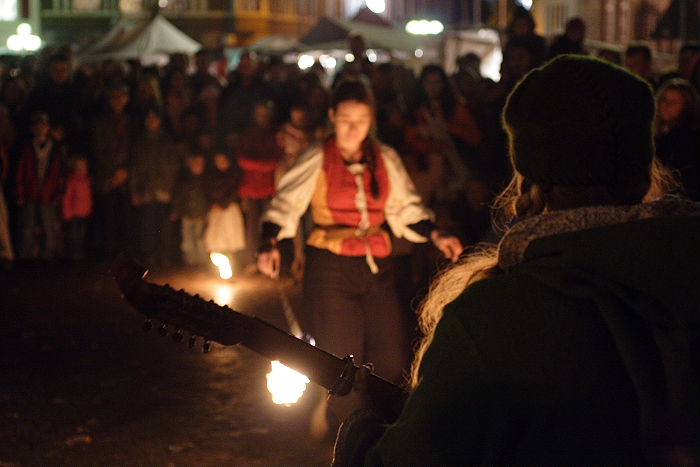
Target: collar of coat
{"x": 511, "y": 249}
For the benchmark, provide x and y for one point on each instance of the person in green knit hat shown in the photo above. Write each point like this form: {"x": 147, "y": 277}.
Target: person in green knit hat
{"x": 574, "y": 341}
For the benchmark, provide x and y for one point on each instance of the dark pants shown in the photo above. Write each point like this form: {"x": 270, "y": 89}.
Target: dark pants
{"x": 111, "y": 223}
{"x": 356, "y": 312}
{"x": 157, "y": 235}
{"x": 75, "y": 238}
{"x": 42, "y": 220}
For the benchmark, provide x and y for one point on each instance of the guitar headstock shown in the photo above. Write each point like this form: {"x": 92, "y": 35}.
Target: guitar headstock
{"x": 177, "y": 308}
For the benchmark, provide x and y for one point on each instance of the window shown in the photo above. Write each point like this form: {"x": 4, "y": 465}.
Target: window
{"x": 8, "y": 10}
{"x": 248, "y": 5}
{"x": 130, "y": 6}
{"x": 285, "y": 7}
{"x": 87, "y": 5}
{"x": 557, "y": 17}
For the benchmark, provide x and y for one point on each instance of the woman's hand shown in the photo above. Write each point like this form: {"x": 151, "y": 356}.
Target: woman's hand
{"x": 448, "y": 244}
{"x": 269, "y": 262}
{"x": 358, "y": 397}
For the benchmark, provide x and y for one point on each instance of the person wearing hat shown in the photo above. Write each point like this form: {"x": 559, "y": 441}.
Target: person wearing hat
{"x": 575, "y": 340}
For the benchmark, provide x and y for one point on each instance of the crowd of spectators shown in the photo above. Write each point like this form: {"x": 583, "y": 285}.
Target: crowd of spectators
{"x": 171, "y": 163}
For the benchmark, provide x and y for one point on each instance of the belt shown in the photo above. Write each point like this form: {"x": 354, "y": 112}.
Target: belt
{"x": 341, "y": 232}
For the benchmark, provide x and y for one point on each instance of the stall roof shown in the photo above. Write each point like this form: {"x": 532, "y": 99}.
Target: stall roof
{"x": 334, "y": 31}
{"x": 127, "y": 40}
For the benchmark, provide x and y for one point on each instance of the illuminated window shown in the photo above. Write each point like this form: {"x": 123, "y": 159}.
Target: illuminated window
{"x": 284, "y": 7}
{"x": 248, "y": 5}
{"x": 8, "y": 10}
{"x": 130, "y": 6}
{"x": 87, "y": 5}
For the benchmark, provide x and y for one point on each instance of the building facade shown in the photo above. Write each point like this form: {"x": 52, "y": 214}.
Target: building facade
{"x": 238, "y": 22}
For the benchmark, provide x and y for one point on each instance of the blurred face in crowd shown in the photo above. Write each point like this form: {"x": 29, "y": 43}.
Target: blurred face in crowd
{"x": 59, "y": 71}
{"x": 41, "y": 130}
{"x": 352, "y": 120}
{"x": 81, "y": 167}
{"x": 117, "y": 100}
{"x": 195, "y": 164}
{"x": 433, "y": 85}
{"x": 298, "y": 117}
{"x": 576, "y": 31}
{"x": 222, "y": 162}
{"x": 519, "y": 62}
{"x": 357, "y": 46}
{"x": 58, "y": 132}
{"x": 291, "y": 139}
{"x": 638, "y": 64}
{"x": 262, "y": 115}
{"x": 201, "y": 62}
{"x": 381, "y": 81}
{"x": 152, "y": 121}
{"x": 522, "y": 27}
{"x": 247, "y": 67}
{"x": 687, "y": 61}
{"x": 12, "y": 92}
{"x": 671, "y": 105}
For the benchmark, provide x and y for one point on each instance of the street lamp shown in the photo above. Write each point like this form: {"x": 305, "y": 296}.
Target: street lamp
{"x": 24, "y": 40}
{"x": 376, "y": 6}
{"x": 424, "y": 27}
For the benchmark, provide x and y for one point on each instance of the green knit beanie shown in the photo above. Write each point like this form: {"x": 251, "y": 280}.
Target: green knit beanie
{"x": 580, "y": 121}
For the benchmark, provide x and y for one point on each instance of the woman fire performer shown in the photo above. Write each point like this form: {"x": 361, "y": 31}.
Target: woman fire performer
{"x": 354, "y": 185}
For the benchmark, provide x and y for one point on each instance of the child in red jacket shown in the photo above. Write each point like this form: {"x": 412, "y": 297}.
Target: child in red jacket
{"x": 39, "y": 187}
{"x": 77, "y": 207}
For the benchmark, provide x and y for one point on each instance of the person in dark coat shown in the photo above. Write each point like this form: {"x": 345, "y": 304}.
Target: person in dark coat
{"x": 571, "y": 42}
{"x": 190, "y": 207}
{"x": 112, "y": 139}
{"x": 677, "y": 134}
{"x": 155, "y": 166}
{"x": 566, "y": 344}
{"x": 59, "y": 97}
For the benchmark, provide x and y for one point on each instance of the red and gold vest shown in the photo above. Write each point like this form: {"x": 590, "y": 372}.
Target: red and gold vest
{"x": 337, "y": 207}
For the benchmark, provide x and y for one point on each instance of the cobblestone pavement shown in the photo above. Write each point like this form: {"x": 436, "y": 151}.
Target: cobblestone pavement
{"x": 83, "y": 385}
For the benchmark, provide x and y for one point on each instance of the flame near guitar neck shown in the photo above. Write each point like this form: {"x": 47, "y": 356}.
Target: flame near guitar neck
{"x": 223, "y": 325}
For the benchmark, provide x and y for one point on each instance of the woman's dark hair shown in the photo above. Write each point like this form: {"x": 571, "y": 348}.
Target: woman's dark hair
{"x": 448, "y": 99}
{"x": 356, "y": 90}
{"x": 352, "y": 90}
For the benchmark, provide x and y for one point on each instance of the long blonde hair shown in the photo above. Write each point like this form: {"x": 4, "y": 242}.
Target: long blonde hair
{"x": 522, "y": 199}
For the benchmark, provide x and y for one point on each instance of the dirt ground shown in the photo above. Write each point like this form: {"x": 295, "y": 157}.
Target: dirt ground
{"x": 81, "y": 384}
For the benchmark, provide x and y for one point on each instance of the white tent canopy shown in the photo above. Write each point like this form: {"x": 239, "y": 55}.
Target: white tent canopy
{"x": 143, "y": 41}
{"x": 332, "y": 33}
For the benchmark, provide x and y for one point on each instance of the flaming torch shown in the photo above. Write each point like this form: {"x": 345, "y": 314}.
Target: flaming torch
{"x": 221, "y": 261}
{"x": 286, "y": 385}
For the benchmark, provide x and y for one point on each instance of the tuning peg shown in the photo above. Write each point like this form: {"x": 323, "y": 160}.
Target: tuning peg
{"x": 177, "y": 337}
{"x": 206, "y": 347}
{"x": 147, "y": 325}
{"x": 163, "y": 331}
{"x": 191, "y": 342}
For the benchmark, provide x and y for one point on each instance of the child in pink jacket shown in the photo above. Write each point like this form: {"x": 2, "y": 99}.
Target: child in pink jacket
{"x": 77, "y": 207}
